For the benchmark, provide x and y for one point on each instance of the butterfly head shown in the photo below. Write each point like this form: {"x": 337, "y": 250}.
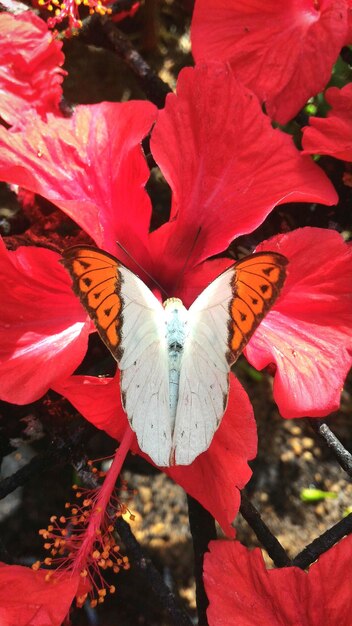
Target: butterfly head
{"x": 172, "y": 303}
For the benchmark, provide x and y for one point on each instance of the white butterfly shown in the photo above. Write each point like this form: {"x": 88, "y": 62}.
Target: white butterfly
{"x": 174, "y": 362}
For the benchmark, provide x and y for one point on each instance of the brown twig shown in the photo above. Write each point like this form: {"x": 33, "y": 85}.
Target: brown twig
{"x": 203, "y": 530}
{"x": 102, "y": 32}
{"x": 262, "y": 532}
{"x": 341, "y": 454}
{"x": 323, "y": 543}
{"x": 151, "y": 575}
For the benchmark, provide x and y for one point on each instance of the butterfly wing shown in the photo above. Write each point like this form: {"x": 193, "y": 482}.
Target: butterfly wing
{"x": 221, "y": 322}
{"x": 130, "y": 321}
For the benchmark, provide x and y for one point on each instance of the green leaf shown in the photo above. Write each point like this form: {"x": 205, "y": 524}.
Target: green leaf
{"x": 315, "y": 495}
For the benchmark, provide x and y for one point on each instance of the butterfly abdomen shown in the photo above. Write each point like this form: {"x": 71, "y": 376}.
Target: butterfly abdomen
{"x": 175, "y": 334}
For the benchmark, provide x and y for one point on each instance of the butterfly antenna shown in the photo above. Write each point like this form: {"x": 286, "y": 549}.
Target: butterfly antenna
{"x": 142, "y": 268}
{"x": 188, "y": 257}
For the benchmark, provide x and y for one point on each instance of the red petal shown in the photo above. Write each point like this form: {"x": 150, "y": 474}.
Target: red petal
{"x": 91, "y": 166}
{"x": 193, "y": 282}
{"x": 30, "y": 72}
{"x": 242, "y": 592}
{"x": 284, "y": 51}
{"x": 26, "y": 599}
{"x": 215, "y": 477}
{"x": 118, "y": 17}
{"x": 227, "y": 168}
{"x": 99, "y": 401}
{"x": 348, "y": 40}
{"x": 308, "y": 332}
{"x": 332, "y": 135}
{"x": 44, "y": 329}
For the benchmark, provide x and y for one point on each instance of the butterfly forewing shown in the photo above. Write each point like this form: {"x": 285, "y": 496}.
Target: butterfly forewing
{"x": 256, "y": 283}
{"x": 97, "y": 281}
{"x": 221, "y": 322}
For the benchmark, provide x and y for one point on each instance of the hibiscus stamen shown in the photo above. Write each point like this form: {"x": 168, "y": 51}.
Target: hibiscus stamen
{"x": 69, "y": 9}
{"x": 83, "y": 541}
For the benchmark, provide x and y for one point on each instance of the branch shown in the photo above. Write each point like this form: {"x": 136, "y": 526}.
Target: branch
{"x": 203, "y": 530}
{"x": 37, "y": 465}
{"x": 262, "y": 532}
{"x": 323, "y": 543}
{"x": 102, "y": 32}
{"x": 341, "y": 454}
{"x": 122, "y": 5}
{"x": 152, "y": 576}
{"x": 64, "y": 448}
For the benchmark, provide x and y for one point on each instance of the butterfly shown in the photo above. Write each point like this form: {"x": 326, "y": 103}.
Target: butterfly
{"x": 174, "y": 362}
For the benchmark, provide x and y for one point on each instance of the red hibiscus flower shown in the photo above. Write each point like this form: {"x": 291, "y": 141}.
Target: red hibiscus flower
{"x": 92, "y": 167}
{"x": 332, "y": 135}
{"x": 243, "y": 592}
{"x": 30, "y": 72}
{"x": 26, "y": 597}
{"x": 309, "y": 327}
{"x": 284, "y": 51}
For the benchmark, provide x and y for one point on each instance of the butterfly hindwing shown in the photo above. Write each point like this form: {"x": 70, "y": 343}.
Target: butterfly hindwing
{"x": 129, "y": 320}
{"x": 221, "y": 322}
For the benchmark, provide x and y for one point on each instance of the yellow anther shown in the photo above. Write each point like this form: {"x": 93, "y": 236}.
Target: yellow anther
{"x": 36, "y": 565}
{"x": 81, "y": 600}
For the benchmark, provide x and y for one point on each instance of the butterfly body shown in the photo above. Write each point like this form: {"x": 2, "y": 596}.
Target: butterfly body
{"x": 175, "y": 334}
{"x": 174, "y": 362}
